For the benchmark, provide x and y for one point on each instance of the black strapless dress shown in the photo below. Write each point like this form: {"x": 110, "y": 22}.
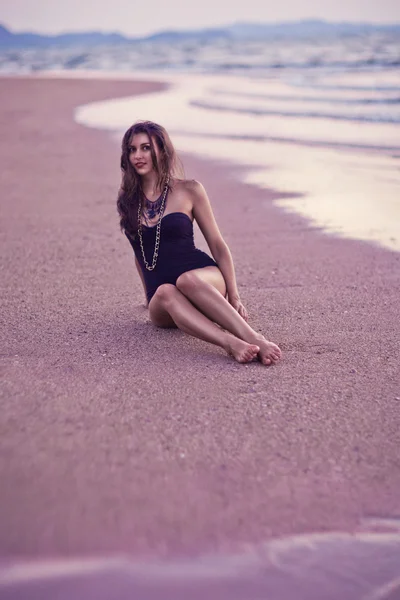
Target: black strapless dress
{"x": 177, "y": 253}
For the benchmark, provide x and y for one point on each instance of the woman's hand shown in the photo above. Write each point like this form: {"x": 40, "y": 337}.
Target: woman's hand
{"x": 238, "y": 306}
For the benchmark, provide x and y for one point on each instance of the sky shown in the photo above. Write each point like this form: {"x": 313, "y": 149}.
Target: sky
{"x": 143, "y": 17}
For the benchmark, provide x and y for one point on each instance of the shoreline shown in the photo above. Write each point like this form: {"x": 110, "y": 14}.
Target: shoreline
{"x": 120, "y": 459}
{"x": 337, "y": 213}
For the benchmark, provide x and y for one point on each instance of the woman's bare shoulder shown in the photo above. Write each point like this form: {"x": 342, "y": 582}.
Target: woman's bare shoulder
{"x": 188, "y": 184}
{"x": 191, "y": 186}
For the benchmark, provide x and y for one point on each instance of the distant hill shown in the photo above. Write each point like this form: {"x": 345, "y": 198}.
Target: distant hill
{"x": 257, "y": 31}
{"x": 28, "y": 40}
{"x": 198, "y": 34}
{"x": 289, "y": 29}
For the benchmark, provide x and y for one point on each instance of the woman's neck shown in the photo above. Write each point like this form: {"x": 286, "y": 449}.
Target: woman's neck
{"x": 149, "y": 185}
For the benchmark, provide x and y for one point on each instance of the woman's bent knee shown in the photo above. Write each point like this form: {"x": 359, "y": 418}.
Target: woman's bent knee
{"x": 187, "y": 282}
{"x": 158, "y": 307}
{"x": 199, "y": 279}
{"x": 164, "y": 292}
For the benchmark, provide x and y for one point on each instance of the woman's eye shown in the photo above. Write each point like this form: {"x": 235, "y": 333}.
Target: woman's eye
{"x": 132, "y": 148}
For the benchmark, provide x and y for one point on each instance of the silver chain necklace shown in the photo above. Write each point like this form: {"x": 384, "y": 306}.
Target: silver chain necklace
{"x": 158, "y": 230}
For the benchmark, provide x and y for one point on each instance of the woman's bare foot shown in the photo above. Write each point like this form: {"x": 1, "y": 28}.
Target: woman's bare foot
{"x": 269, "y": 352}
{"x": 240, "y": 350}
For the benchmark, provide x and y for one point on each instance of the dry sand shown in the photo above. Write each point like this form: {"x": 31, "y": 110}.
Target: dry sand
{"x": 116, "y": 436}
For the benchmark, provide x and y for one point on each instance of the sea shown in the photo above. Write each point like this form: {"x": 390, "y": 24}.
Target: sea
{"x": 315, "y": 118}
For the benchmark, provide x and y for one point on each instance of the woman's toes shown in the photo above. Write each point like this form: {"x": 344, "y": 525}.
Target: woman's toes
{"x": 252, "y": 354}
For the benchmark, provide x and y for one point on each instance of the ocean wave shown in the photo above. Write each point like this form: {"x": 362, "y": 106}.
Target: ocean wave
{"x": 376, "y": 87}
{"x": 338, "y": 53}
{"x": 340, "y": 79}
{"x": 318, "y": 99}
{"x": 258, "y": 111}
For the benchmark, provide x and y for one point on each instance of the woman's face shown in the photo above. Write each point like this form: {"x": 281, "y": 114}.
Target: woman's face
{"x": 140, "y": 153}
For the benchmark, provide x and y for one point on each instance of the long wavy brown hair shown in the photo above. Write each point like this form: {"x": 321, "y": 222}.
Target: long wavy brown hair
{"x": 167, "y": 166}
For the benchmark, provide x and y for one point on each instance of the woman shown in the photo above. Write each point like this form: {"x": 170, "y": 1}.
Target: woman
{"x": 184, "y": 286}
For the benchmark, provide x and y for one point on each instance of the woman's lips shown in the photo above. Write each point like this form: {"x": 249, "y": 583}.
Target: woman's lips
{"x": 140, "y": 165}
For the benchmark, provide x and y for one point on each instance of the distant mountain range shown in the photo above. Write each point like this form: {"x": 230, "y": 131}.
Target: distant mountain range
{"x": 248, "y": 31}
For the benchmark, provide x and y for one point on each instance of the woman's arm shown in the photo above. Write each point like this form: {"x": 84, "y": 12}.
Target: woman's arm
{"x": 204, "y": 215}
{"x": 142, "y": 279}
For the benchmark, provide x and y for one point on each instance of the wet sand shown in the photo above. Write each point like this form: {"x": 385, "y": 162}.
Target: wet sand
{"x": 119, "y": 438}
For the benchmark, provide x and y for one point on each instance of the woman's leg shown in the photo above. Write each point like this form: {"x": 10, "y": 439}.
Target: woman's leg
{"x": 169, "y": 306}
{"x": 205, "y": 288}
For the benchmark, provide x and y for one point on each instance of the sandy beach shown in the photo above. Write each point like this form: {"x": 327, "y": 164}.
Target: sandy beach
{"x": 120, "y": 438}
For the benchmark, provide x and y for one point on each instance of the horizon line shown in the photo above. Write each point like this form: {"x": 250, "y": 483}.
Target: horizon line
{"x": 201, "y": 28}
